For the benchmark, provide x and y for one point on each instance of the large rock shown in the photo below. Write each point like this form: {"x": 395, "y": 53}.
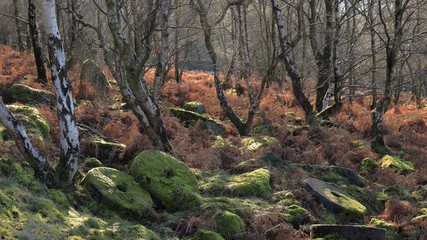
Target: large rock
{"x": 228, "y": 224}
{"x": 189, "y": 118}
{"x": 250, "y": 184}
{"x": 118, "y": 191}
{"x": 207, "y": 235}
{"x": 196, "y": 107}
{"x": 333, "y": 174}
{"x": 348, "y": 232}
{"x": 27, "y": 95}
{"x": 94, "y": 75}
{"x": 335, "y": 199}
{"x": 169, "y": 181}
{"x": 255, "y": 143}
{"x": 397, "y": 163}
{"x": 34, "y": 124}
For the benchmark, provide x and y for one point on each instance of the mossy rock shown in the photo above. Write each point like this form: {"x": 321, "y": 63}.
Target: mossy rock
{"x": 394, "y": 191}
{"x": 136, "y": 232}
{"x": 333, "y": 174}
{"x": 32, "y": 120}
{"x": 255, "y": 143}
{"x": 296, "y": 214}
{"x": 189, "y": 118}
{"x": 366, "y": 197}
{"x": 380, "y": 149}
{"x": 169, "y": 181}
{"x": 234, "y": 204}
{"x": 397, "y": 163}
{"x": 336, "y": 199}
{"x": 251, "y": 184}
{"x": 90, "y": 163}
{"x": 118, "y": 191}
{"x": 389, "y": 228}
{"x": 266, "y": 129}
{"x": 106, "y": 151}
{"x": 369, "y": 165}
{"x": 228, "y": 224}
{"x": 343, "y": 232}
{"x": 194, "y": 106}
{"x": 93, "y": 73}
{"x": 28, "y": 95}
{"x": 207, "y": 235}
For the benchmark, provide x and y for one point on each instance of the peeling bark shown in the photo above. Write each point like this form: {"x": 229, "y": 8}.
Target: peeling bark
{"x": 34, "y": 156}
{"x": 69, "y": 136}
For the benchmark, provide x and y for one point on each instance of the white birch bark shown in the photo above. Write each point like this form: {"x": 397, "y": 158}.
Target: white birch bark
{"x": 35, "y": 156}
{"x": 69, "y": 136}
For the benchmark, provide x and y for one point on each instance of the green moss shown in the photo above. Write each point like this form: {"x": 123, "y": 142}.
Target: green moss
{"x": 207, "y": 235}
{"x": 33, "y": 122}
{"x": 92, "y": 223}
{"x": 24, "y": 176}
{"x": 370, "y": 165}
{"x": 189, "y": 118}
{"x": 285, "y": 198}
{"x": 232, "y": 204}
{"x": 136, "y": 232}
{"x": 254, "y": 143}
{"x": 350, "y": 206}
{"x": 25, "y": 94}
{"x": 119, "y": 191}
{"x": 194, "y": 106}
{"x": 395, "y": 191}
{"x": 365, "y": 197}
{"x": 58, "y": 197}
{"x": 169, "y": 181}
{"x": 389, "y": 227}
{"x": 330, "y": 218}
{"x": 266, "y": 129}
{"x": 255, "y": 183}
{"x": 295, "y": 214}
{"x": 227, "y": 224}
{"x": 394, "y": 162}
{"x": 92, "y": 163}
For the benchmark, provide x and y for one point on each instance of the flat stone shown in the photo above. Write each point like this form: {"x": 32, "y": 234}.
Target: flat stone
{"x": 349, "y": 232}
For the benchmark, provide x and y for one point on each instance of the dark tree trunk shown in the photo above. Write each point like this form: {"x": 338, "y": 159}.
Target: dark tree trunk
{"x": 35, "y": 40}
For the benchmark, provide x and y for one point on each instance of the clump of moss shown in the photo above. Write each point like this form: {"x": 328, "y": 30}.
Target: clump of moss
{"x": 350, "y": 206}
{"x": 395, "y": 162}
{"x": 227, "y": 224}
{"x": 389, "y": 227}
{"x": 370, "y": 165}
{"x": 91, "y": 163}
{"x": 255, "y": 183}
{"x": 194, "y": 106}
{"x": 295, "y": 214}
{"x": 26, "y": 94}
{"x": 33, "y": 122}
{"x": 207, "y": 235}
{"x": 380, "y": 149}
{"x": 169, "y": 181}
{"x": 119, "y": 191}
{"x": 58, "y": 197}
{"x": 254, "y": 143}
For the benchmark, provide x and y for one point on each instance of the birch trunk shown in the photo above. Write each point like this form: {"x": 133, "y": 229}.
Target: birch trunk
{"x": 69, "y": 136}
{"x": 34, "y": 156}
{"x": 17, "y": 13}
{"x": 160, "y": 74}
{"x": 290, "y": 66}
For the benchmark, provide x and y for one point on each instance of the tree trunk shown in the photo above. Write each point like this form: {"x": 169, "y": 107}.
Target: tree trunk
{"x": 373, "y": 54}
{"x": 35, "y": 40}
{"x": 290, "y": 66}
{"x": 160, "y": 75}
{"x": 69, "y": 136}
{"x": 17, "y": 13}
{"x": 34, "y": 156}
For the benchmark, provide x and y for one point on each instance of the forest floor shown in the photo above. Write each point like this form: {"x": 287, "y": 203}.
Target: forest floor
{"x": 395, "y": 197}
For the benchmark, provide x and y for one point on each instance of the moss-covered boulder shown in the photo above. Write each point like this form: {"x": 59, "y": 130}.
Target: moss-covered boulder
{"x": 90, "y": 163}
{"x": 343, "y": 232}
{"x": 251, "y": 184}
{"x": 100, "y": 148}
{"x": 118, "y": 191}
{"x": 254, "y": 143}
{"x": 194, "y": 106}
{"x": 34, "y": 124}
{"x": 397, "y": 163}
{"x": 207, "y": 235}
{"x": 189, "y": 118}
{"x": 333, "y": 174}
{"x": 369, "y": 165}
{"x": 136, "y": 232}
{"x": 169, "y": 181}
{"x": 228, "y": 224}
{"x": 335, "y": 199}
{"x": 93, "y": 73}
{"x": 28, "y": 95}
{"x": 295, "y": 214}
